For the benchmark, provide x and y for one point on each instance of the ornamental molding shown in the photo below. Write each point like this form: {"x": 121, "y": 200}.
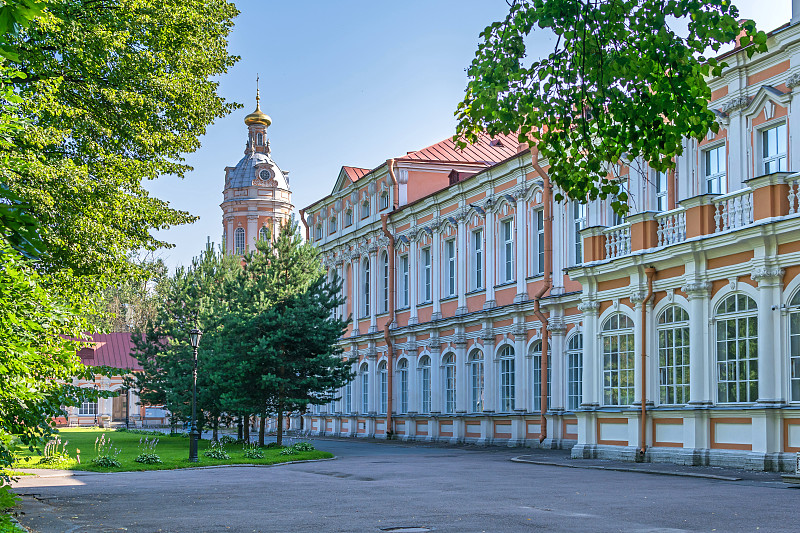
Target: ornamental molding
{"x": 589, "y": 306}
{"x": 518, "y": 330}
{"x": 793, "y": 81}
{"x": 696, "y": 289}
{"x": 556, "y": 326}
{"x": 736, "y": 104}
{"x": 487, "y": 334}
{"x": 767, "y": 274}
{"x": 459, "y": 340}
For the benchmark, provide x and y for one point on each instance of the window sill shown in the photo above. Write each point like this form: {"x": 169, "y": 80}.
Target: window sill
{"x": 535, "y": 277}
{"x": 476, "y": 291}
{"x": 505, "y": 284}
{"x": 449, "y": 298}
{"x": 424, "y": 304}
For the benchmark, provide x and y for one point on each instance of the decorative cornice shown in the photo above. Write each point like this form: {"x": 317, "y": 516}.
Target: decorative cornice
{"x": 737, "y": 103}
{"x": 793, "y": 81}
{"x": 487, "y": 334}
{"x": 767, "y": 274}
{"x": 588, "y": 307}
{"x": 696, "y": 289}
{"x": 518, "y": 330}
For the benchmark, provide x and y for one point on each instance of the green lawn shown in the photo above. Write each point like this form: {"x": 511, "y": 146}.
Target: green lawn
{"x": 174, "y": 452}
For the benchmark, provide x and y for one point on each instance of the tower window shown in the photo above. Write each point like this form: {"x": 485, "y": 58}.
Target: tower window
{"x": 260, "y": 139}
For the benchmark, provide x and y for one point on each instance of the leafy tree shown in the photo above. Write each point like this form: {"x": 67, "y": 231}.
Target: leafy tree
{"x": 620, "y": 81}
{"x": 285, "y": 330}
{"x": 113, "y": 92}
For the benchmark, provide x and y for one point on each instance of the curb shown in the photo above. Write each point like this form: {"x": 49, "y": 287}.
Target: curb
{"x": 80, "y": 473}
{"x": 520, "y": 459}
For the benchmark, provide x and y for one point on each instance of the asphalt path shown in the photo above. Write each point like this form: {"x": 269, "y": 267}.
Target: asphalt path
{"x": 373, "y": 487}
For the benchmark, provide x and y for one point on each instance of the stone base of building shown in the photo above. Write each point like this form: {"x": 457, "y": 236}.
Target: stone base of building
{"x": 745, "y": 460}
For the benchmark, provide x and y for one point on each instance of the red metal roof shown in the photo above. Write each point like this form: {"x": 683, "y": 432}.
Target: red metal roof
{"x": 355, "y": 173}
{"x": 110, "y": 349}
{"x": 487, "y": 151}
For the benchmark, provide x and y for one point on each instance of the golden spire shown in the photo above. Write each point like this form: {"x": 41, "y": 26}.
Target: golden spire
{"x": 257, "y": 116}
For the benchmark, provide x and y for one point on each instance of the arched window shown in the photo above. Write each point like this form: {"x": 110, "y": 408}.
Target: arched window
{"x": 259, "y": 139}
{"x": 319, "y": 230}
{"x": 263, "y": 234}
{"x": 574, "y": 371}
{"x": 402, "y": 369}
{"x": 332, "y": 225}
{"x": 365, "y": 388}
{"x": 425, "y": 384}
{"x": 794, "y": 346}
{"x": 450, "y": 383}
{"x": 238, "y": 241}
{"x": 384, "y": 381}
{"x": 673, "y": 356}
{"x": 737, "y": 349}
{"x": 536, "y": 350}
{"x": 348, "y": 217}
{"x": 347, "y": 398}
{"x": 385, "y": 282}
{"x": 365, "y": 208}
{"x": 506, "y": 358}
{"x": 365, "y": 287}
{"x": 476, "y": 381}
{"x": 618, "y": 360}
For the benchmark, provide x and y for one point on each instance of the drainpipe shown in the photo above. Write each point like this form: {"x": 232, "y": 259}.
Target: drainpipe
{"x": 547, "y": 282}
{"x": 649, "y": 272}
{"x": 395, "y": 186}
{"x": 387, "y": 338}
{"x": 303, "y": 220}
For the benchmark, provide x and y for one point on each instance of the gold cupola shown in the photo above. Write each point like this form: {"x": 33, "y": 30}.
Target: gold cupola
{"x": 258, "y": 116}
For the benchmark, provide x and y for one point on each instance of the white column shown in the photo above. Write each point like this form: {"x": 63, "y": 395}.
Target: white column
{"x": 437, "y": 403}
{"x": 413, "y": 282}
{"x": 462, "y": 259}
{"x": 522, "y": 379}
{"x": 229, "y": 235}
{"x": 436, "y": 272}
{"x": 701, "y": 357}
{"x": 490, "y": 377}
{"x": 557, "y": 363}
{"x": 591, "y": 376}
{"x": 521, "y": 252}
{"x": 252, "y": 232}
{"x": 770, "y": 367}
{"x": 373, "y": 290}
{"x": 490, "y": 258}
{"x": 354, "y": 291}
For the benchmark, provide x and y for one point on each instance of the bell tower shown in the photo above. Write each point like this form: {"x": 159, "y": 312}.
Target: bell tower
{"x": 257, "y": 198}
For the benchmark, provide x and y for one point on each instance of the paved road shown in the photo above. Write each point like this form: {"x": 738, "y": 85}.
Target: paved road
{"x": 376, "y": 486}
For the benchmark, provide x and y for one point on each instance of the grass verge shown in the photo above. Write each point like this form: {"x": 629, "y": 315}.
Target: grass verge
{"x": 173, "y": 451}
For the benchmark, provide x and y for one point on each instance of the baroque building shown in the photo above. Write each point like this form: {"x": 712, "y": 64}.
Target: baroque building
{"x": 257, "y": 199}
{"x": 672, "y": 334}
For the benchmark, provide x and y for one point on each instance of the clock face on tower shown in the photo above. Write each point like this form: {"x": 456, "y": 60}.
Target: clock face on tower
{"x": 265, "y": 174}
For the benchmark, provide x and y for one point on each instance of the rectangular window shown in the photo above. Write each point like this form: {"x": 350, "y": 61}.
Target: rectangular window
{"x": 715, "y": 170}
{"x": 385, "y": 201}
{"x": 426, "y": 275}
{"x": 348, "y": 218}
{"x": 507, "y": 233}
{"x": 773, "y": 144}
{"x": 540, "y": 241}
{"x": 450, "y": 247}
{"x": 506, "y": 385}
{"x": 578, "y": 220}
{"x": 662, "y": 186}
{"x": 477, "y": 260}
{"x": 347, "y": 398}
{"x": 404, "y": 280}
{"x": 88, "y": 409}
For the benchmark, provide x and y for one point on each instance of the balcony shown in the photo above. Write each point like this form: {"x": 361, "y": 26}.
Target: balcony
{"x": 765, "y": 197}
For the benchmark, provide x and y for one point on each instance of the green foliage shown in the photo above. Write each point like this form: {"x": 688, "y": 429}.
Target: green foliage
{"x": 148, "y": 455}
{"x": 252, "y": 451}
{"x": 55, "y": 452}
{"x": 273, "y": 445}
{"x": 143, "y": 432}
{"x": 106, "y": 453}
{"x": 217, "y": 451}
{"x": 620, "y": 84}
{"x": 8, "y": 500}
{"x": 289, "y": 451}
{"x": 303, "y": 446}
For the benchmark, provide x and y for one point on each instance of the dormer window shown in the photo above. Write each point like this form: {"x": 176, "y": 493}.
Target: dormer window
{"x": 348, "y": 217}
{"x": 365, "y": 209}
{"x": 385, "y": 201}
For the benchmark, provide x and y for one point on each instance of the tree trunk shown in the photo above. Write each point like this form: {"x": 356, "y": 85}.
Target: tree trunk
{"x": 280, "y": 424}
{"x": 239, "y": 424}
{"x": 262, "y": 427}
{"x": 216, "y": 428}
{"x": 246, "y": 428}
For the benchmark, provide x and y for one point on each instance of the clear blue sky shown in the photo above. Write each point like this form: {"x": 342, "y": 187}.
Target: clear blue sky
{"x": 346, "y": 83}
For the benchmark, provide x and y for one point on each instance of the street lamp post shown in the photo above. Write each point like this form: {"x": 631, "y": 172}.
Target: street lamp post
{"x": 194, "y": 433}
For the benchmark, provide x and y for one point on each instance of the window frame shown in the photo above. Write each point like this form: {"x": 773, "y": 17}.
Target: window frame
{"x": 451, "y": 267}
{"x": 332, "y": 225}
{"x": 661, "y": 183}
{"x": 781, "y": 158}
{"x": 365, "y": 287}
{"x": 365, "y": 209}
{"x": 365, "y": 388}
{"x": 477, "y": 384}
{"x": 384, "y": 200}
{"x": 385, "y": 282}
{"x": 383, "y": 380}
{"x": 793, "y": 331}
{"x": 507, "y": 381}
{"x": 671, "y": 388}
{"x": 424, "y": 368}
{"x": 507, "y": 250}
{"x": 575, "y": 371}
{"x": 536, "y": 364}
{"x": 402, "y": 369}
{"x": 239, "y": 248}
{"x": 721, "y": 323}
{"x": 476, "y": 268}
{"x": 426, "y": 279}
{"x": 616, "y": 335}
{"x": 263, "y": 234}
{"x": 88, "y": 408}
{"x": 404, "y": 280}
{"x": 717, "y": 182}
{"x": 449, "y": 388}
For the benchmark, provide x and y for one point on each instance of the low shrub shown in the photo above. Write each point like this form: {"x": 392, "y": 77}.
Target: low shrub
{"x": 289, "y": 451}
{"x": 7, "y": 502}
{"x": 148, "y": 459}
{"x": 106, "y": 453}
{"x": 55, "y": 452}
{"x": 303, "y": 447}
{"x": 217, "y": 451}
{"x": 273, "y": 445}
{"x": 251, "y": 451}
{"x": 141, "y": 432}
{"x": 230, "y": 439}
{"x": 147, "y": 452}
